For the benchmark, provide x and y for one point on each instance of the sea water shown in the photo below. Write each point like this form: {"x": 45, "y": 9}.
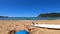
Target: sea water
{"x": 31, "y": 18}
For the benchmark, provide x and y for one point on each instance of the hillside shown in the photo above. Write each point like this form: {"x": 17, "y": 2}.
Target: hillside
{"x": 49, "y": 15}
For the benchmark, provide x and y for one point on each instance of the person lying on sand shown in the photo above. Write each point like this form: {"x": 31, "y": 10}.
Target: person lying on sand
{"x": 26, "y": 30}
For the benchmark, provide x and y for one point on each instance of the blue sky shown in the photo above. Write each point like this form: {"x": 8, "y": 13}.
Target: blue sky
{"x": 28, "y": 8}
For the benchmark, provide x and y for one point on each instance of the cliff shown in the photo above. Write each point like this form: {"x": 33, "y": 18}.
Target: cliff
{"x": 49, "y": 15}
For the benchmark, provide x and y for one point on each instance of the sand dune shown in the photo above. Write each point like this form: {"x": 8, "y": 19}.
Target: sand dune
{"x": 7, "y": 25}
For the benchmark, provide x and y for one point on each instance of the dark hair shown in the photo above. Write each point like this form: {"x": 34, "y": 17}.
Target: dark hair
{"x": 33, "y": 23}
{"x": 12, "y": 31}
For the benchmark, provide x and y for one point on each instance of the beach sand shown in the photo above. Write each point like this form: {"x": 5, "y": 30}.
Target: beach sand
{"x": 7, "y": 25}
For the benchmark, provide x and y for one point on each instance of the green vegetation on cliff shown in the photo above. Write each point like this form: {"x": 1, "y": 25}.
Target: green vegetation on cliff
{"x": 49, "y": 15}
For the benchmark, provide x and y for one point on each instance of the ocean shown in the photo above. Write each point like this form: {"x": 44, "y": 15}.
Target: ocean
{"x": 30, "y": 18}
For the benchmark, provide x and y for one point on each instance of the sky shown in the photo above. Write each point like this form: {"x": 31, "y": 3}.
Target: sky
{"x": 28, "y": 8}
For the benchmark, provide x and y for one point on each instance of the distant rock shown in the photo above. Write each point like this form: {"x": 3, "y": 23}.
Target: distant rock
{"x": 3, "y": 16}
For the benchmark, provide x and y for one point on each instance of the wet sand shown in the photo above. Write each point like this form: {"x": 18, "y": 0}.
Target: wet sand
{"x": 7, "y": 25}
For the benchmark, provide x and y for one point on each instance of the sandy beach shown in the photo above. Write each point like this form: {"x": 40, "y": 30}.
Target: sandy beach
{"x": 17, "y": 25}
